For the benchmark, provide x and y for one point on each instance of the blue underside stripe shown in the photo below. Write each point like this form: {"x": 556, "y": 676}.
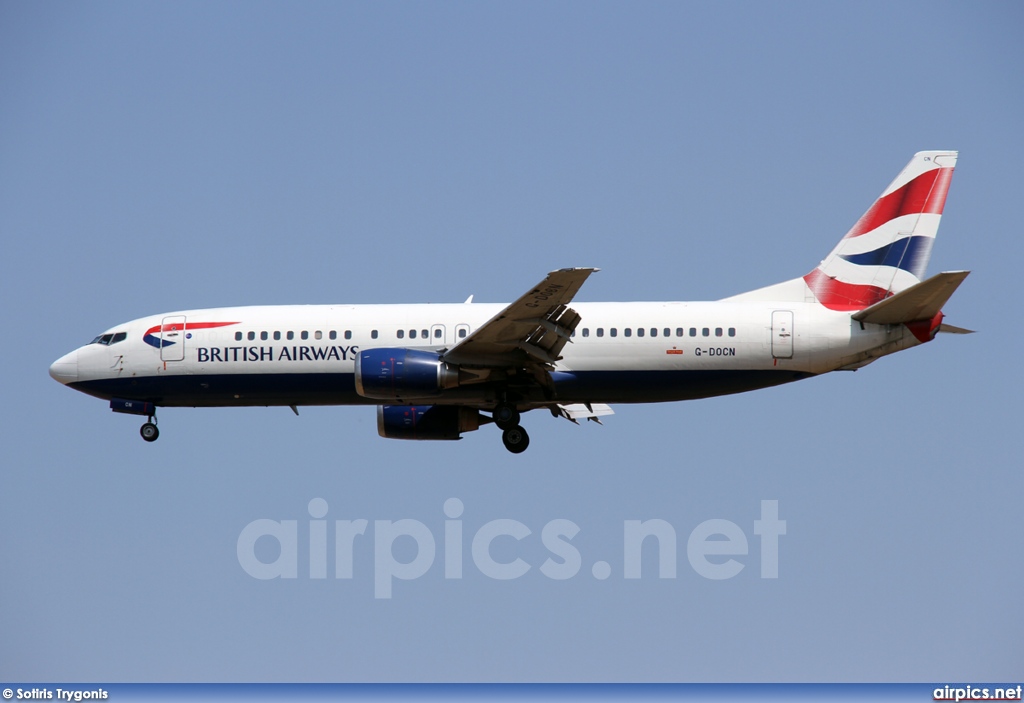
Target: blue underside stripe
{"x": 339, "y": 389}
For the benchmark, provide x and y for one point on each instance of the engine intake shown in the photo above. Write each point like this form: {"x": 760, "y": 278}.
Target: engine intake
{"x": 425, "y": 421}
{"x": 399, "y": 374}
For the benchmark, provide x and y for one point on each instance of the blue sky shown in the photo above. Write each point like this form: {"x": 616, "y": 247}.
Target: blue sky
{"x": 167, "y": 156}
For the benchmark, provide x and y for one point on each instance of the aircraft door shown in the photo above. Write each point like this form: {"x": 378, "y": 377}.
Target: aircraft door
{"x": 437, "y": 335}
{"x": 172, "y": 338}
{"x": 782, "y": 334}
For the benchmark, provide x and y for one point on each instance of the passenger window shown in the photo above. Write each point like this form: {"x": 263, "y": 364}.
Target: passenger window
{"x": 290, "y": 335}
{"x": 613, "y": 332}
{"x": 251, "y": 336}
{"x": 264, "y": 336}
{"x": 348, "y": 334}
{"x": 679, "y": 332}
{"x": 600, "y": 331}
{"x": 412, "y": 334}
{"x": 238, "y": 336}
{"x": 706, "y": 332}
{"x": 277, "y": 335}
{"x": 462, "y": 333}
{"x": 586, "y": 331}
{"x": 318, "y": 335}
{"x": 437, "y": 333}
{"x": 628, "y": 332}
{"x": 333, "y": 335}
{"x": 425, "y": 334}
{"x": 693, "y": 331}
{"x": 373, "y": 334}
{"x": 304, "y": 334}
{"x": 654, "y": 331}
{"x": 639, "y": 331}
{"x": 666, "y": 332}
{"x": 401, "y": 334}
{"x": 718, "y": 331}
{"x": 732, "y": 331}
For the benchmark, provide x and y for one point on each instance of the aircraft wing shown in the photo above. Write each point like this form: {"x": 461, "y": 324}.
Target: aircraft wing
{"x": 531, "y": 331}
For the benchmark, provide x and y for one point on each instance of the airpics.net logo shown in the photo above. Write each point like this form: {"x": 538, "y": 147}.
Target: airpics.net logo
{"x": 714, "y": 548}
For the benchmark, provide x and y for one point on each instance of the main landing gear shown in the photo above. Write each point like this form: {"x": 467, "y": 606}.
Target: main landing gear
{"x": 149, "y": 431}
{"x": 514, "y": 437}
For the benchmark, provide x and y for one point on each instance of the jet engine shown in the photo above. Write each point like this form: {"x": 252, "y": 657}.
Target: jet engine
{"x": 397, "y": 373}
{"x": 425, "y": 421}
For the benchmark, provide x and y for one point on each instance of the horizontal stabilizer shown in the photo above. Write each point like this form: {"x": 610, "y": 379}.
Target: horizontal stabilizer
{"x": 950, "y": 329}
{"x": 922, "y": 301}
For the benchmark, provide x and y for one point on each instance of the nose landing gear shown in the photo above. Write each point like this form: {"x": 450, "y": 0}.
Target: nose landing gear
{"x": 149, "y": 431}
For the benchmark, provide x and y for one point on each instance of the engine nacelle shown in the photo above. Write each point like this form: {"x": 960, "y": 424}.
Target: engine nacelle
{"x": 398, "y": 373}
{"x": 425, "y": 421}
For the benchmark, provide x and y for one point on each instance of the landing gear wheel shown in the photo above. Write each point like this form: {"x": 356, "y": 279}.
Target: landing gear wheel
{"x": 516, "y": 440}
{"x": 149, "y": 432}
{"x": 505, "y": 416}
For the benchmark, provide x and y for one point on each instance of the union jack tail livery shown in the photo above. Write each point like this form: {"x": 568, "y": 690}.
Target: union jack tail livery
{"x": 888, "y": 249}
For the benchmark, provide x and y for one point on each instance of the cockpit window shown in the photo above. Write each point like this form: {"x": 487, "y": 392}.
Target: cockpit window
{"x": 112, "y": 338}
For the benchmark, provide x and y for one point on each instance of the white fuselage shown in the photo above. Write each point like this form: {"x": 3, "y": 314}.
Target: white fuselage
{"x": 620, "y": 352}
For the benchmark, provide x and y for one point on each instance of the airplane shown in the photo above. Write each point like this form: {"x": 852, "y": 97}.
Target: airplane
{"x": 436, "y": 371}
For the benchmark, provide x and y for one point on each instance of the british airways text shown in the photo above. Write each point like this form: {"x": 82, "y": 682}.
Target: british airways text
{"x": 329, "y": 353}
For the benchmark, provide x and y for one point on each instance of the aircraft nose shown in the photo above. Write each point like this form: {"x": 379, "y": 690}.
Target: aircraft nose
{"x": 65, "y": 369}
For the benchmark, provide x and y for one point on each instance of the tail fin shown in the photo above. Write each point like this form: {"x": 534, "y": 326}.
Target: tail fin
{"x": 887, "y": 251}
